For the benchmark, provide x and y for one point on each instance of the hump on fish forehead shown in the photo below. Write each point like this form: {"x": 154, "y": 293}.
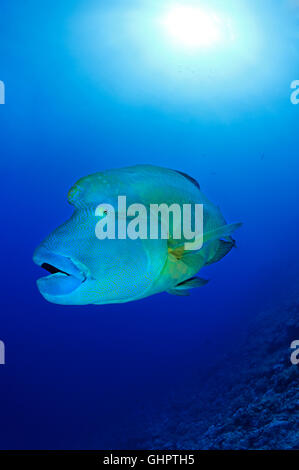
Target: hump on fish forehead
{"x": 93, "y": 190}
{"x": 85, "y": 189}
{"x": 103, "y": 187}
{"x": 135, "y": 182}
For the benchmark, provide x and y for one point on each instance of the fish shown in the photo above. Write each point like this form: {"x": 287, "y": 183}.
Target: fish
{"x": 87, "y": 270}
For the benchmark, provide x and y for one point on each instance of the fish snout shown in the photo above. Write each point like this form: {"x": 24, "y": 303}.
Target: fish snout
{"x": 65, "y": 274}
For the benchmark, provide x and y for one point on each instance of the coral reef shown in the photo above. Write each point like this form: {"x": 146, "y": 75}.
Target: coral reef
{"x": 250, "y": 403}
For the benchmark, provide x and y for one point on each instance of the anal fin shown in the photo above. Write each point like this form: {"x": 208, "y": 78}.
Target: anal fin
{"x": 180, "y": 292}
{"x": 183, "y": 287}
{"x": 192, "y": 283}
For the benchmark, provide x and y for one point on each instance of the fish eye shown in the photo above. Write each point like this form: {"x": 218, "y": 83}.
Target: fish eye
{"x": 101, "y": 211}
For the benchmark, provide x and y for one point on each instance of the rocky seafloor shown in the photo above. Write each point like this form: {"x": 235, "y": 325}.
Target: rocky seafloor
{"x": 251, "y": 404}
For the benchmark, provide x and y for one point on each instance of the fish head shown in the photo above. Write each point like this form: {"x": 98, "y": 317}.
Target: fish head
{"x": 87, "y": 270}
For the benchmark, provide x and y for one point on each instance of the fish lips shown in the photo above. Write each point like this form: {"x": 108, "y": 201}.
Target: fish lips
{"x": 66, "y": 275}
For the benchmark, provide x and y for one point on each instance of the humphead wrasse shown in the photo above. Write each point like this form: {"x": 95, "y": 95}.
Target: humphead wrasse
{"x": 88, "y": 270}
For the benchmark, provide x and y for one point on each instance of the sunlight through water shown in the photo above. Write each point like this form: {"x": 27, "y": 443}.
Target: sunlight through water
{"x": 193, "y": 26}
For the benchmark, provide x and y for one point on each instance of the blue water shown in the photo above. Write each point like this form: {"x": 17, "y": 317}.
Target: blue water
{"x": 92, "y": 85}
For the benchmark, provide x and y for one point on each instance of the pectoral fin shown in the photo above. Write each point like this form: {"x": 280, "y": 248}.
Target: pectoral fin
{"x": 224, "y": 232}
{"x": 222, "y": 249}
{"x": 177, "y": 252}
{"x": 221, "y": 232}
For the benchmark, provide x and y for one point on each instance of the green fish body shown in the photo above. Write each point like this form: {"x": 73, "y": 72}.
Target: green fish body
{"x": 87, "y": 270}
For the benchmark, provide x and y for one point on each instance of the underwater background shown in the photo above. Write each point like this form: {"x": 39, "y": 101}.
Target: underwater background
{"x": 92, "y": 85}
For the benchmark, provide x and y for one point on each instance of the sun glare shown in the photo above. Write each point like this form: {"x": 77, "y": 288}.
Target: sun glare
{"x": 192, "y": 26}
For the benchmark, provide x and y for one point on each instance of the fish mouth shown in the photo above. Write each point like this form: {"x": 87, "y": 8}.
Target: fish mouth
{"x": 66, "y": 275}
{"x": 52, "y": 269}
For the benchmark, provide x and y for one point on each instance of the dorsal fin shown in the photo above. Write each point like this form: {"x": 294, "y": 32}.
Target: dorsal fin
{"x": 192, "y": 180}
